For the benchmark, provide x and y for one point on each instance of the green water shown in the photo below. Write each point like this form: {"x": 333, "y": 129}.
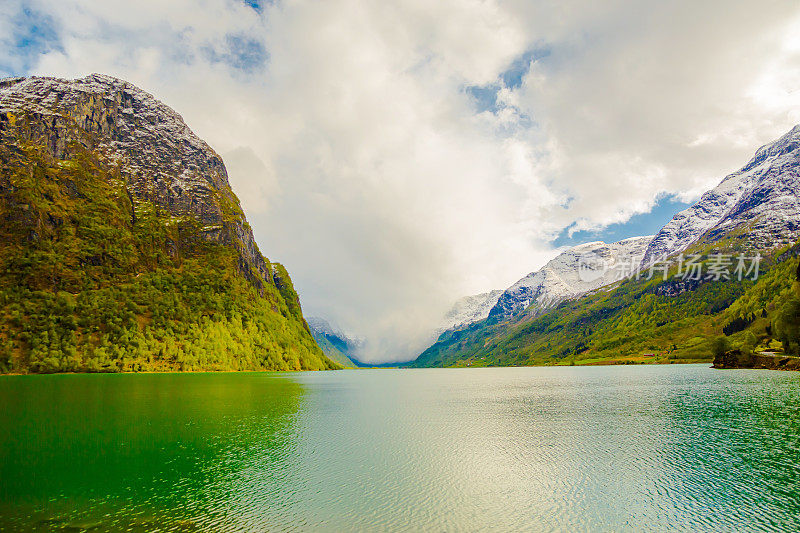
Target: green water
{"x": 598, "y": 449}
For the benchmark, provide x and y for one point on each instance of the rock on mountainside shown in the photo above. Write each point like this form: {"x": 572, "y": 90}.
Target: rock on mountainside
{"x": 758, "y": 205}
{"x": 468, "y": 310}
{"x": 147, "y": 142}
{"x": 109, "y": 201}
{"x": 578, "y": 270}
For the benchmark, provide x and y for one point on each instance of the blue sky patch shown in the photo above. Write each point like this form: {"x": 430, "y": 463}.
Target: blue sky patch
{"x": 512, "y": 77}
{"x": 485, "y": 96}
{"x": 240, "y": 52}
{"x": 638, "y": 225}
{"x": 255, "y": 4}
{"x": 35, "y": 34}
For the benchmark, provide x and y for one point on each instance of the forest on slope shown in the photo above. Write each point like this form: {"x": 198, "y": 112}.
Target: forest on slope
{"x": 112, "y": 259}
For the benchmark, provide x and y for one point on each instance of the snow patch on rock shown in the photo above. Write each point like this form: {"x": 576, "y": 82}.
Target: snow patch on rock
{"x": 575, "y": 271}
{"x": 762, "y": 199}
{"x": 468, "y": 310}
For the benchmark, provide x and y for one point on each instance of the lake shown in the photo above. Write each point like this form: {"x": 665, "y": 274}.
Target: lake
{"x": 510, "y": 449}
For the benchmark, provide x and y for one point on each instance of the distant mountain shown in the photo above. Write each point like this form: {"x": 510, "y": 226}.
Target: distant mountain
{"x": 468, "y": 310}
{"x": 580, "y": 309}
{"x": 123, "y": 246}
{"x": 336, "y": 344}
{"x": 757, "y": 206}
{"x": 578, "y": 270}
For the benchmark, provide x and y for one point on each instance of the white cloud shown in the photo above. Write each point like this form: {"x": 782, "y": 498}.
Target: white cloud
{"x": 658, "y": 98}
{"x": 366, "y": 167}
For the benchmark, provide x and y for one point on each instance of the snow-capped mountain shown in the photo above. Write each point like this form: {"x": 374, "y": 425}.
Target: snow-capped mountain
{"x": 762, "y": 199}
{"x": 323, "y": 326}
{"x": 578, "y": 270}
{"x": 162, "y": 160}
{"x": 468, "y": 310}
{"x": 336, "y": 344}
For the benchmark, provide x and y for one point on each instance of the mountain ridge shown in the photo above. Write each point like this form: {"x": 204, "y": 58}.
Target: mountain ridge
{"x": 576, "y": 270}
{"x": 337, "y": 345}
{"x": 468, "y": 310}
{"x": 763, "y": 197}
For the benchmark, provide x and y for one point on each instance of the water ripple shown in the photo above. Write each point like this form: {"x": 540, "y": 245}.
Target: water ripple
{"x": 674, "y": 448}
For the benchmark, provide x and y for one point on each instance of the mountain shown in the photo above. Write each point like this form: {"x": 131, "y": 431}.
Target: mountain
{"x": 468, "y": 310}
{"x": 578, "y": 270}
{"x": 575, "y": 271}
{"x": 757, "y": 206}
{"x": 337, "y": 345}
{"x": 754, "y": 212}
{"x": 123, "y": 246}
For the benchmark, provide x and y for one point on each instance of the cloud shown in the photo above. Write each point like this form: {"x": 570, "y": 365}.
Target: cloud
{"x": 254, "y": 182}
{"x": 657, "y": 99}
{"x": 398, "y": 155}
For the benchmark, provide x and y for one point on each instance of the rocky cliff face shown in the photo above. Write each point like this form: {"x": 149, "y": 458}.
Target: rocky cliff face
{"x": 148, "y": 143}
{"x": 122, "y": 245}
{"x": 578, "y": 270}
{"x": 758, "y": 206}
{"x": 736, "y": 359}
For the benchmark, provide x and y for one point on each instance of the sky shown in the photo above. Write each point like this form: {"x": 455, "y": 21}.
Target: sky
{"x": 398, "y": 155}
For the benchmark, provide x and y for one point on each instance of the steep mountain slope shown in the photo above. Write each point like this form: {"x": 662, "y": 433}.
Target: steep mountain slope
{"x": 578, "y": 270}
{"x": 755, "y": 210}
{"x": 123, "y": 246}
{"x": 338, "y": 346}
{"x": 759, "y": 205}
{"x": 468, "y": 310}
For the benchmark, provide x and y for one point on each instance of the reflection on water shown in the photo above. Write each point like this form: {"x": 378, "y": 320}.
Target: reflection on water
{"x": 603, "y": 448}
{"x": 137, "y": 452}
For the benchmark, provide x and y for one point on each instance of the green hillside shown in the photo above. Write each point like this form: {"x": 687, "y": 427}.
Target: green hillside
{"x": 639, "y": 321}
{"x": 95, "y": 277}
{"x": 331, "y": 351}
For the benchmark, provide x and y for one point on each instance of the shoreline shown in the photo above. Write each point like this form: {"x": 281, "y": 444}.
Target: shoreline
{"x": 735, "y": 359}
{"x": 731, "y": 360}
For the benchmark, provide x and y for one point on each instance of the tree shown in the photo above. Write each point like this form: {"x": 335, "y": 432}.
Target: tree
{"x": 719, "y": 346}
{"x": 749, "y": 343}
{"x": 787, "y": 326}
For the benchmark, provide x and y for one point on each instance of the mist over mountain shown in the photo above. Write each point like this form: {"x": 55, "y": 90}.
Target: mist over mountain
{"x": 468, "y": 310}
{"x": 336, "y": 344}
{"x": 598, "y": 300}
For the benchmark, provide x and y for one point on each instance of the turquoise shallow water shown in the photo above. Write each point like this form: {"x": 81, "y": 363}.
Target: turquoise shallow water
{"x": 543, "y": 449}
